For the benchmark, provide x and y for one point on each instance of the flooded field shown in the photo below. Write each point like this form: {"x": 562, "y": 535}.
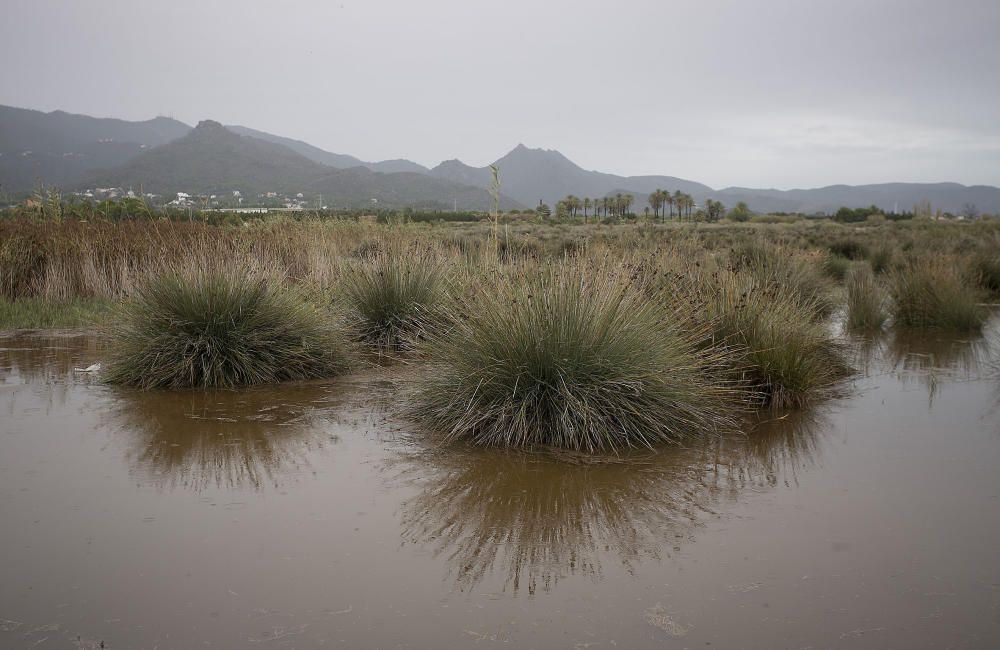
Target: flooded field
{"x": 309, "y": 516}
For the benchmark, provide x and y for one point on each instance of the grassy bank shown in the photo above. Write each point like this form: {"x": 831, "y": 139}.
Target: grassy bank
{"x": 39, "y": 313}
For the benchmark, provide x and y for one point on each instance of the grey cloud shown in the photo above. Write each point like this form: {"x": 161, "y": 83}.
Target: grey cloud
{"x": 773, "y": 92}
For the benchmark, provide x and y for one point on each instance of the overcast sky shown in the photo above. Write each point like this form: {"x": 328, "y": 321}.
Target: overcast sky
{"x": 762, "y": 93}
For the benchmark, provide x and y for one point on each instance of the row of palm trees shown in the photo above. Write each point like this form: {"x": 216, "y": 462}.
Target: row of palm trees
{"x": 662, "y": 203}
{"x": 617, "y": 206}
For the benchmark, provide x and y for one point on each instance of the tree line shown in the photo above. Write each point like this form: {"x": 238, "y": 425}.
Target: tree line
{"x": 663, "y": 204}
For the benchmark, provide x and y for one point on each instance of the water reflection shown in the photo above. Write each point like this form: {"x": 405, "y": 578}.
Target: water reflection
{"x": 917, "y": 354}
{"x": 46, "y": 358}
{"x": 933, "y": 359}
{"x": 227, "y": 439}
{"x": 532, "y": 520}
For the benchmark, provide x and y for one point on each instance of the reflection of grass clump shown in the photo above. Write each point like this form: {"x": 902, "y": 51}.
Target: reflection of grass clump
{"x": 221, "y": 329}
{"x": 571, "y": 357}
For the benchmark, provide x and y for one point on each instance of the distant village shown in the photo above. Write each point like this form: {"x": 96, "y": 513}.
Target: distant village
{"x": 234, "y": 201}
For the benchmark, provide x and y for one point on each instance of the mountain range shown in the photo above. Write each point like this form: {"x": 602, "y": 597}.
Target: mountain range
{"x": 211, "y": 159}
{"x": 164, "y": 156}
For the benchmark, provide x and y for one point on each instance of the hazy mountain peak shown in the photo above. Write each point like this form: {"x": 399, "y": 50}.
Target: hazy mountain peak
{"x": 206, "y": 125}
{"x": 522, "y": 154}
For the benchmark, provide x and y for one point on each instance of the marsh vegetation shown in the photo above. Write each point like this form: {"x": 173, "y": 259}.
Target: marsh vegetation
{"x": 589, "y": 337}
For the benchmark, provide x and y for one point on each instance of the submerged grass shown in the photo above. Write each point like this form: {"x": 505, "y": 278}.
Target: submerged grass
{"x": 208, "y": 329}
{"x": 571, "y": 356}
{"x": 866, "y": 303}
{"x": 931, "y": 291}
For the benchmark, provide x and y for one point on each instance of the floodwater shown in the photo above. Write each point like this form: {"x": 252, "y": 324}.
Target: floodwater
{"x": 309, "y": 516}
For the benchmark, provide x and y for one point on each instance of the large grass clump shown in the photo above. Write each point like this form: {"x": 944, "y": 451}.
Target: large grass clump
{"x": 866, "y": 303}
{"x": 931, "y": 291}
{"x": 569, "y": 356}
{"x": 788, "y": 357}
{"x": 393, "y": 298}
{"x": 204, "y": 329}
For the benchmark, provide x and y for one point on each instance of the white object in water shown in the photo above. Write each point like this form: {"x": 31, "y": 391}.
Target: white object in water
{"x": 91, "y": 368}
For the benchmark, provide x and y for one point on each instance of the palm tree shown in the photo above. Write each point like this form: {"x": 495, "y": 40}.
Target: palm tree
{"x": 656, "y": 202}
{"x": 572, "y": 203}
{"x": 714, "y": 209}
{"x": 586, "y": 206}
{"x": 668, "y": 199}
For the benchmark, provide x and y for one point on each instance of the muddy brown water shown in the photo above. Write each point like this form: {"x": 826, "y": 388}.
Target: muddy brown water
{"x": 309, "y": 516}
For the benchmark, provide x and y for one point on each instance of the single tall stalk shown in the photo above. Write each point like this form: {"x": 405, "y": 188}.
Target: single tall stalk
{"x": 495, "y": 192}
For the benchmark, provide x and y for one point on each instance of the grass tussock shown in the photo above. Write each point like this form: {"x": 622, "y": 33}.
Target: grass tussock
{"x": 882, "y": 258}
{"x": 569, "y": 356}
{"x": 836, "y": 267}
{"x": 392, "y": 297}
{"x": 798, "y": 275}
{"x": 985, "y": 268}
{"x": 850, "y": 249}
{"x": 931, "y": 291}
{"x": 209, "y": 329}
{"x": 866, "y": 303}
{"x": 787, "y": 356}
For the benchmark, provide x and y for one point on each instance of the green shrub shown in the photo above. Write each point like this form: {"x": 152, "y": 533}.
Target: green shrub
{"x": 866, "y": 308}
{"x": 836, "y": 267}
{"x": 931, "y": 291}
{"x": 392, "y": 297}
{"x": 237, "y": 327}
{"x": 849, "y": 248}
{"x": 572, "y": 357}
